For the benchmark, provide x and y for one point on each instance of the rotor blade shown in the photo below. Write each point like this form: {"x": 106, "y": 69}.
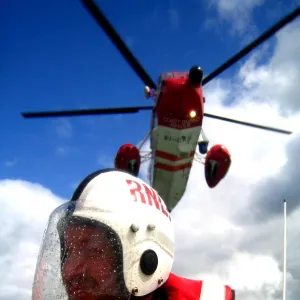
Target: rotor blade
{"x": 289, "y": 18}
{"x": 132, "y": 110}
{"x": 248, "y": 124}
{"x": 118, "y": 42}
{"x": 85, "y": 112}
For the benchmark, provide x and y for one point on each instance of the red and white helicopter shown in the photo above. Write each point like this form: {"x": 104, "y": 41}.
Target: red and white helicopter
{"x": 176, "y": 126}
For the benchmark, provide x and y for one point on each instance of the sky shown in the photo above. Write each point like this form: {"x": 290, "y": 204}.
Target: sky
{"x": 54, "y": 56}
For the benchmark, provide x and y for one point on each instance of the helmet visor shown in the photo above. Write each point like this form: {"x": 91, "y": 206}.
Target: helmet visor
{"x": 79, "y": 259}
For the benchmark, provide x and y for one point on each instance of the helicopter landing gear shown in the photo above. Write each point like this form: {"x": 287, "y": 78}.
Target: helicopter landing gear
{"x": 203, "y": 143}
{"x": 203, "y": 147}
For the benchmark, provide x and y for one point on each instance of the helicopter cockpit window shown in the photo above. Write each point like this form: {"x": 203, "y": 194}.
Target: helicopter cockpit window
{"x": 182, "y": 75}
{"x": 167, "y": 75}
{"x": 175, "y": 75}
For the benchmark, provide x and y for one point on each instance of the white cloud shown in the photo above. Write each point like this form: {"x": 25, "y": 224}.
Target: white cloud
{"x": 61, "y": 150}
{"x": 263, "y": 172}
{"x": 10, "y": 163}
{"x": 239, "y": 272}
{"x": 233, "y": 232}
{"x": 25, "y": 208}
{"x": 277, "y": 82}
{"x": 105, "y": 161}
{"x": 174, "y": 18}
{"x": 63, "y": 128}
{"x": 236, "y": 12}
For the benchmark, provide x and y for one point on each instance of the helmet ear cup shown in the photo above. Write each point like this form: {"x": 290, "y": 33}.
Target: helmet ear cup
{"x": 149, "y": 262}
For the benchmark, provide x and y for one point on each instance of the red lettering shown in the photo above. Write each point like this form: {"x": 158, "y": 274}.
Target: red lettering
{"x": 136, "y": 190}
{"x": 152, "y": 197}
{"x": 163, "y": 207}
{"x": 149, "y": 193}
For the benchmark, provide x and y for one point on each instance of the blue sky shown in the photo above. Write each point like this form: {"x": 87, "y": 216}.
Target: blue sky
{"x": 54, "y": 56}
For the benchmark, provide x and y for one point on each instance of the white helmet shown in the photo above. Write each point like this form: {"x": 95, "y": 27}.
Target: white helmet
{"x": 125, "y": 213}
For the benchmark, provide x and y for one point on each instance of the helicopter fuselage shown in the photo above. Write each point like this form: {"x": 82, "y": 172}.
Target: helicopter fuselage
{"x": 176, "y": 126}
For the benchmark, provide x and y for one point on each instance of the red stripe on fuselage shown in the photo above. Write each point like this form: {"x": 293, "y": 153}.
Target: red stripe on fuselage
{"x": 169, "y": 168}
{"x": 171, "y": 157}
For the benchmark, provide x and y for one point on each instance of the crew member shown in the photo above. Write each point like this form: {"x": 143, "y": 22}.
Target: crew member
{"x": 114, "y": 240}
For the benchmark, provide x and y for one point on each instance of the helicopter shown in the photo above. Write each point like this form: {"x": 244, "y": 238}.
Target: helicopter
{"x": 176, "y": 131}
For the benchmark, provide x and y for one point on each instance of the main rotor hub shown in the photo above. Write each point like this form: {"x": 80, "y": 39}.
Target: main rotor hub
{"x": 195, "y": 75}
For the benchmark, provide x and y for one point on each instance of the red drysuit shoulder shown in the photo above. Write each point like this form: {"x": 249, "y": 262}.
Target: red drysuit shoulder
{"x": 180, "y": 288}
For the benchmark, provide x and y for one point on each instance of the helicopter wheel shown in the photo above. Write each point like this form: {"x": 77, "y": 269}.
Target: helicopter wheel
{"x": 203, "y": 146}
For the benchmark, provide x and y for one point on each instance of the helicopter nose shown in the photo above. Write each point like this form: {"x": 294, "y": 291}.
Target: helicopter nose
{"x": 195, "y": 75}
